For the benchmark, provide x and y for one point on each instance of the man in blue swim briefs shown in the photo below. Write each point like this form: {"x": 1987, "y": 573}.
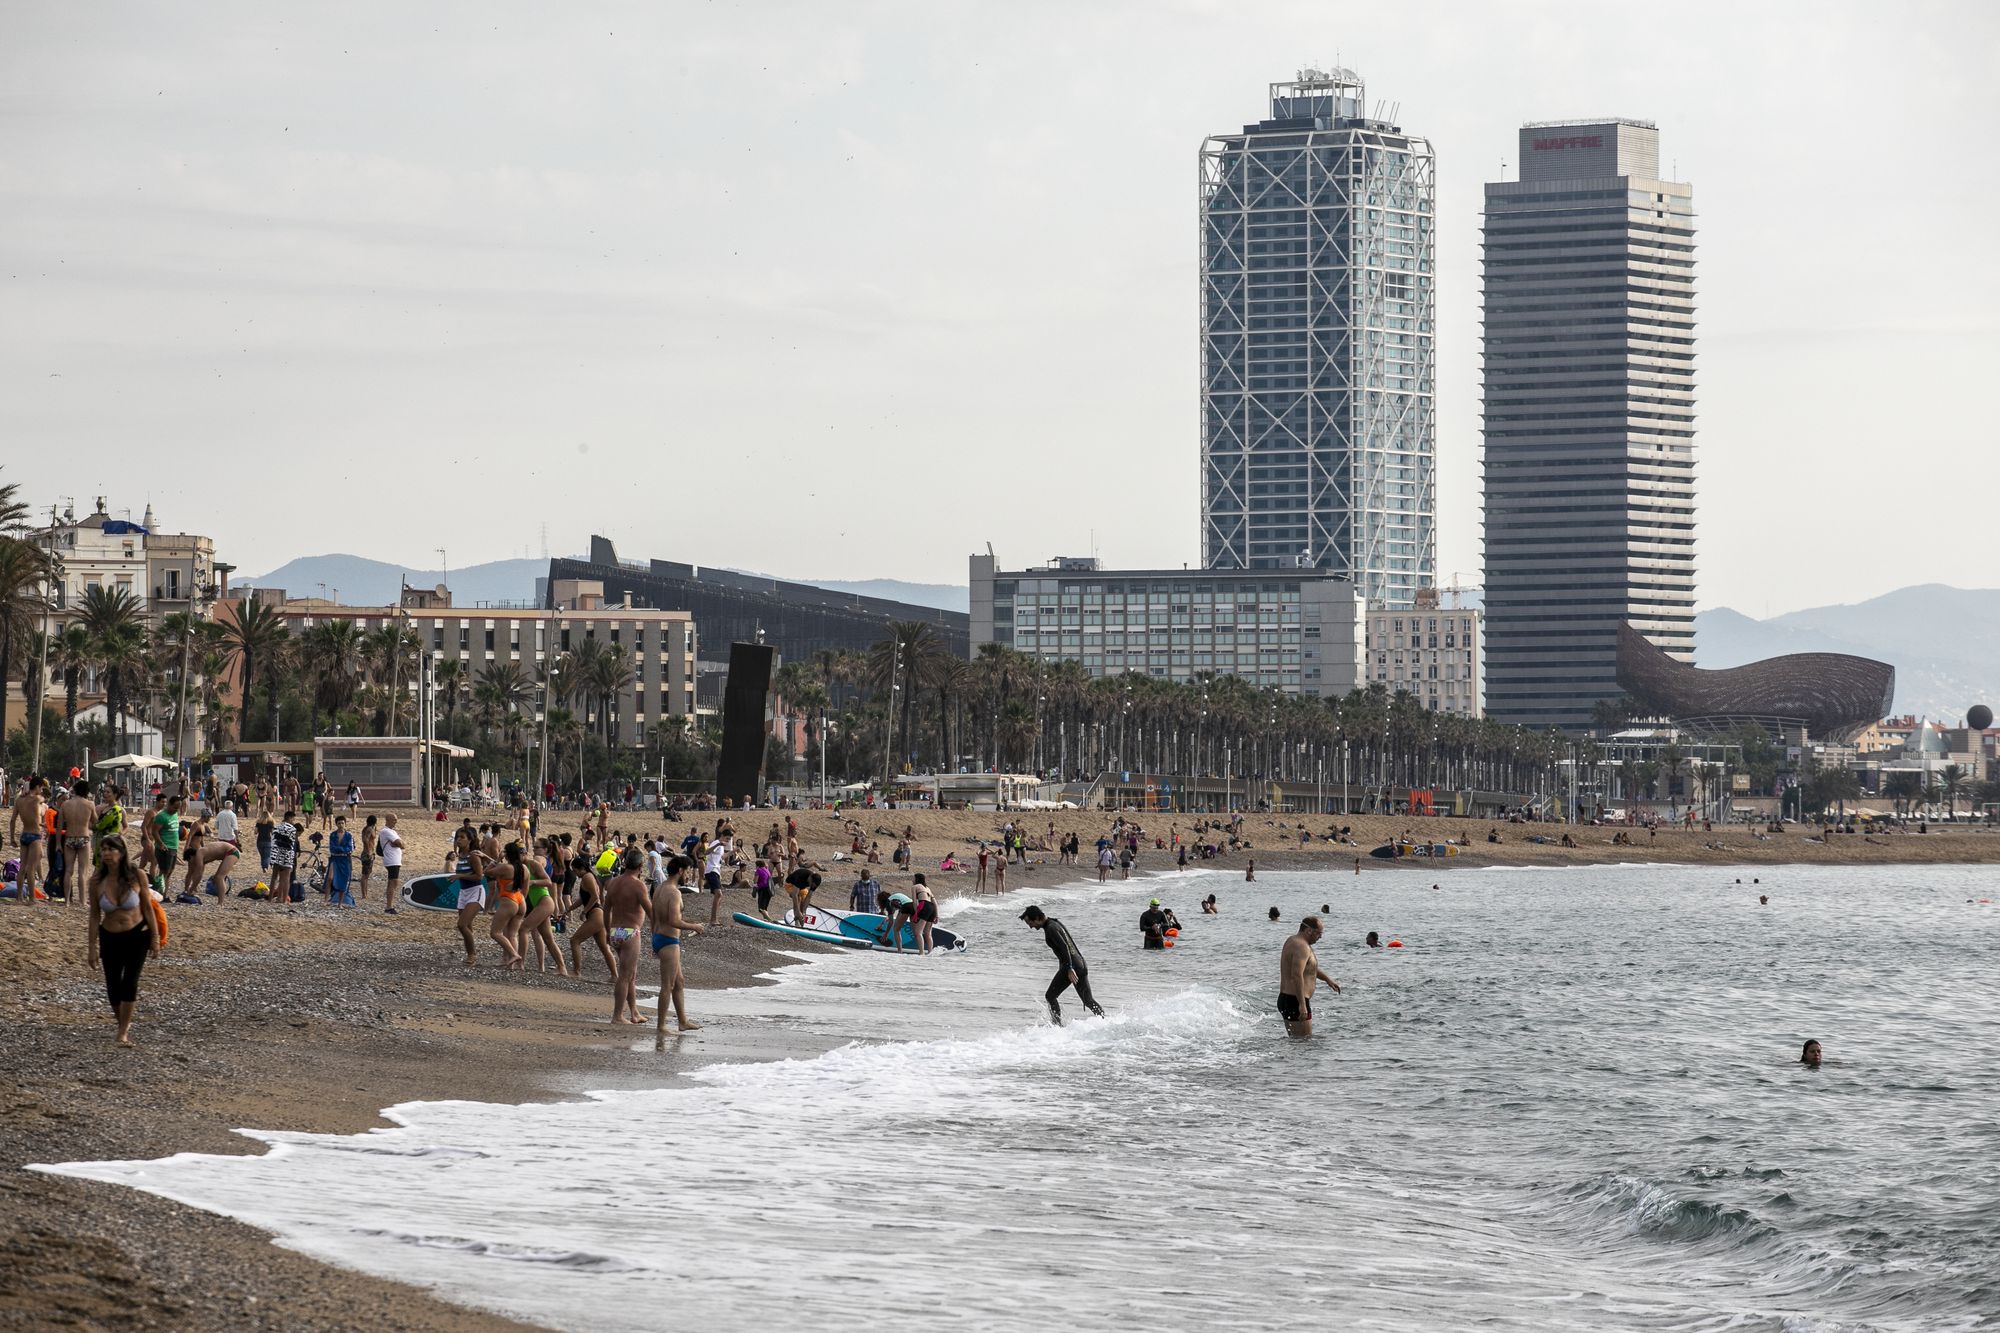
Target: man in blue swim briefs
{"x": 26, "y": 822}
{"x": 669, "y": 929}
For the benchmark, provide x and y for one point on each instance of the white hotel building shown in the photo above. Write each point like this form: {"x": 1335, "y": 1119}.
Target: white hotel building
{"x": 1429, "y": 652}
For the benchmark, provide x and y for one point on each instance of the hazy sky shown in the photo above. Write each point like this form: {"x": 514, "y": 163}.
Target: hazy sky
{"x": 847, "y": 290}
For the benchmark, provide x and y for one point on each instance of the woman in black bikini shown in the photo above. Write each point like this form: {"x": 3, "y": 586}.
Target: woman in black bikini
{"x": 590, "y": 903}
{"x": 121, "y": 930}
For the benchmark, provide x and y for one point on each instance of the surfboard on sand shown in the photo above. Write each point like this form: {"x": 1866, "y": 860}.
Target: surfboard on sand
{"x": 432, "y": 893}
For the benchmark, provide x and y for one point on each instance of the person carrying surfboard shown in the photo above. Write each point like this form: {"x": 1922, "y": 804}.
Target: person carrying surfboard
{"x": 1071, "y": 970}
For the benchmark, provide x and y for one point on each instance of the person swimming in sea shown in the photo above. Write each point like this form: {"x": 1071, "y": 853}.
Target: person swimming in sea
{"x": 1809, "y": 1056}
{"x": 1274, "y": 914}
{"x": 1374, "y": 940}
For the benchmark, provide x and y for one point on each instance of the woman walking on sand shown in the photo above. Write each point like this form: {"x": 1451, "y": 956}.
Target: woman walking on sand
{"x": 535, "y": 926}
{"x": 121, "y": 930}
{"x": 469, "y": 867}
{"x": 510, "y": 905}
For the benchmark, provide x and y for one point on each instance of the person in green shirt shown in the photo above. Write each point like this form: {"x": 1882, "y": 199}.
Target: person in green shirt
{"x": 167, "y": 838}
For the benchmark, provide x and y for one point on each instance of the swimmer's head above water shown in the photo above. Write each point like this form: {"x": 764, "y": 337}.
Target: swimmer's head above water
{"x": 1274, "y": 914}
{"x": 1809, "y": 1056}
{"x": 1374, "y": 940}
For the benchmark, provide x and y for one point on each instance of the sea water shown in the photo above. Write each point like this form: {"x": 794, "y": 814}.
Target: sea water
{"x": 1570, "y": 1100}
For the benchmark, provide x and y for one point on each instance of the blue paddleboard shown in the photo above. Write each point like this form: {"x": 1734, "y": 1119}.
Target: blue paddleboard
{"x": 745, "y": 919}
{"x": 873, "y": 927}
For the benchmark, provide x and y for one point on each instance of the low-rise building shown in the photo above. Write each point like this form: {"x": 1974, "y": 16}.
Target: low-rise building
{"x": 1429, "y": 651}
{"x": 1295, "y": 630}
{"x": 164, "y": 574}
{"x": 660, "y": 644}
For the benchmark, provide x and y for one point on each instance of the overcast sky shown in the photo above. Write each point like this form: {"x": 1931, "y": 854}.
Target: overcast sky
{"x": 844, "y": 290}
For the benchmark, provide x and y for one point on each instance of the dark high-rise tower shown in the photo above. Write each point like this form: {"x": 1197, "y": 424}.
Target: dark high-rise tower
{"x": 1318, "y": 436}
{"x": 1589, "y": 349}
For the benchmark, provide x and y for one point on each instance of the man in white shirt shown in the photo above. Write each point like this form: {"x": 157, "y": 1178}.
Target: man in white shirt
{"x": 711, "y": 878}
{"x": 389, "y": 846}
{"x": 656, "y": 865}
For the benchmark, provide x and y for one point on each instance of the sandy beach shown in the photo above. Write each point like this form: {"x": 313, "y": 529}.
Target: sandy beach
{"x": 315, "y": 1019}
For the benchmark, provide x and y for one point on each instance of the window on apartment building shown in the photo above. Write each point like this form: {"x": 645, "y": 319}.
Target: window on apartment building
{"x": 465, "y": 638}
{"x": 437, "y": 638}
{"x": 489, "y": 640}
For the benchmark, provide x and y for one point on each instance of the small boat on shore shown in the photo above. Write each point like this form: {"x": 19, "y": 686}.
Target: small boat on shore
{"x": 1395, "y": 851}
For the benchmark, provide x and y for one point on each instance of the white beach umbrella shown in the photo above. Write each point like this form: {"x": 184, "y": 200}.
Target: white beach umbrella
{"x": 133, "y": 761}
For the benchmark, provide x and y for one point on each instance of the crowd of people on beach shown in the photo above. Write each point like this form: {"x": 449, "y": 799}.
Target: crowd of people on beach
{"x": 607, "y": 891}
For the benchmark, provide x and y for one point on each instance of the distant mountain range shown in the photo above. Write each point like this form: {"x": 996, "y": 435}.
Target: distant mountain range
{"x": 1944, "y": 642}
{"x": 360, "y": 581}
{"x": 364, "y": 582}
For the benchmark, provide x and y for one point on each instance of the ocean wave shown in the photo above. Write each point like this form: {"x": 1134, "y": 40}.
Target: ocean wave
{"x": 1647, "y": 1208}
{"x": 576, "y": 1261}
{"x": 1176, "y": 1028}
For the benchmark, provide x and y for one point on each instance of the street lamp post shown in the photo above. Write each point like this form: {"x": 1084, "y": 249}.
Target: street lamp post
{"x": 42, "y": 670}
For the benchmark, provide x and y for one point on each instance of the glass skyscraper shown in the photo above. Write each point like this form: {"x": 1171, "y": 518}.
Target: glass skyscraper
{"x": 1589, "y": 347}
{"x": 1318, "y": 431}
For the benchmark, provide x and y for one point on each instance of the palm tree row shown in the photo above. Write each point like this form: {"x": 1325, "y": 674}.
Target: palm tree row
{"x": 908, "y": 704}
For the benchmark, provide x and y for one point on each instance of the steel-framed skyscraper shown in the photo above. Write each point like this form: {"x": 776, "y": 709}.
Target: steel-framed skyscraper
{"x": 1318, "y": 435}
{"x": 1589, "y": 403}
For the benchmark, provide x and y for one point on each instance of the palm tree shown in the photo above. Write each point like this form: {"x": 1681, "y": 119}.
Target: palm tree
{"x": 452, "y": 681}
{"x": 1671, "y": 759}
{"x": 24, "y": 572}
{"x": 508, "y": 686}
{"x": 1952, "y": 779}
{"x": 257, "y": 633}
{"x": 330, "y": 657}
{"x": 609, "y": 676}
{"x": 112, "y": 619}
{"x": 69, "y": 658}
{"x": 565, "y": 735}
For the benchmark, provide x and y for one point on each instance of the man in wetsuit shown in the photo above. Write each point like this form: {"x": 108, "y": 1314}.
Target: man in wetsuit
{"x": 1298, "y": 969}
{"x": 1153, "y": 926}
{"x": 1070, "y": 967}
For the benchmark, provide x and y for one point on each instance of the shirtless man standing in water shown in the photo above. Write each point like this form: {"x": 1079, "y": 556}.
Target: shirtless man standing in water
{"x": 669, "y": 929}
{"x": 1298, "y": 969}
{"x": 625, "y": 913}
